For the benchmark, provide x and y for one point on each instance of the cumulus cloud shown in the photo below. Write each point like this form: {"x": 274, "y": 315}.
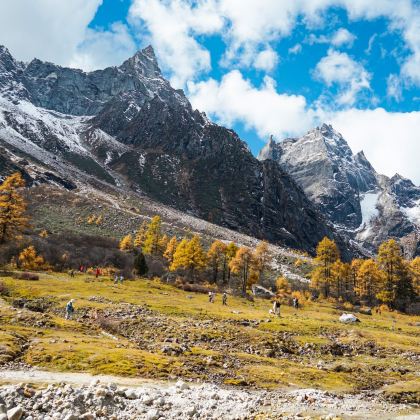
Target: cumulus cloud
{"x": 266, "y": 60}
{"x": 234, "y": 99}
{"x": 47, "y": 29}
{"x": 102, "y": 48}
{"x": 386, "y": 138}
{"x": 339, "y": 68}
{"x": 172, "y": 27}
{"x": 342, "y": 37}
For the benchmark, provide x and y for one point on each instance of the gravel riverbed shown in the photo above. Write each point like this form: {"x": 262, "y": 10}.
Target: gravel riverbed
{"x": 75, "y": 399}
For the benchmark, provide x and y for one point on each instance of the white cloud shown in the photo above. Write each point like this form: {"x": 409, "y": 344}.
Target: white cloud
{"x": 172, "y": 27}
{"x": 338, "y": 68}
{"x": 296, "y": 49}
{"x": 342, "y": 37}
{"x": 248, "y": 27}
{"x": 47, "y": 29}
{"x": 235, "y": 99}
{"x": 388, "y": 138}
{"x": 394, "y": 88}
{"x": 266, "y": 60}
{"x": 101, "y": 49}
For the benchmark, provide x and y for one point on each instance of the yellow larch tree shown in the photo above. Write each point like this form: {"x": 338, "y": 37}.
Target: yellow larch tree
{"x": 241, "y": 264}
{"x": 216, "y": 256}
{"x": 12, "y": 208}
{"x": 190, "y": 256}
{"x": 126, "y": 243}
{"x": 370, "y": 280}
{"x": 29, "y": 260}
{"x": 282, "y": 287}
{"x": 153, "y": 236}
{"x": 415, "y": 273}
{"x": 326, "y": 255}
{"x": 170, "y": 250}
{"x": 262, "y": 258}
{"x": 231, "y": 250}
{"x": 140, "y": 235}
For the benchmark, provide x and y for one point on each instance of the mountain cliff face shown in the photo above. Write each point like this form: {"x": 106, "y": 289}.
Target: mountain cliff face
{"x": 128, "y": 127}
{"x": 366, "y": 206}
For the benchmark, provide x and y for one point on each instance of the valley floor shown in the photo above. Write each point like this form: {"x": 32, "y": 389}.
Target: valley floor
{"x": 305, "y": 362}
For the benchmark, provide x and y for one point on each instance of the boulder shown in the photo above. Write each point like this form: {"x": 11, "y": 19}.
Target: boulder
{"x": 262, "y": 292}
{"x": 348, "y": 318}
{"x": 15, "y": 413}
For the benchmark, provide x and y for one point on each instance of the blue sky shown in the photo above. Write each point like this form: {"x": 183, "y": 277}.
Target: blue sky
{"x": 261, "y": 67}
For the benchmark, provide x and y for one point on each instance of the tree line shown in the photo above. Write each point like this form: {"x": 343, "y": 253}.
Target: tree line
{"x": 188, "y": 256}
{"x": 388, "y": 278}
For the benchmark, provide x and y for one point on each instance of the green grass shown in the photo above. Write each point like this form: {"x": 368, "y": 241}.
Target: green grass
{"x": 221, "y": 339}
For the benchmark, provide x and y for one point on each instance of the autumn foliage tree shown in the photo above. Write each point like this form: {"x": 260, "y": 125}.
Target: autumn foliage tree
{"x": 415, "y": 273}
{"x": 189, "y": 256}
{"x": 12, "y": 208}
{"x": 241, "y": 264}
{"x": 283, "y": 287}
{"x": 216, "y": 257}
{"x": 370, "y": 280}
{"x": 398, "y": 288}
{"x": 170, "y": 250}
{"x": 326, "y": 255}
{"x": 140, "y": 235}
{"x": 126, "y": 243}
{"x": 29, "y": 260}
{"x": 153, "y": 237}
{"x": 230, "y": 252}
{"x": 262, "y": 258}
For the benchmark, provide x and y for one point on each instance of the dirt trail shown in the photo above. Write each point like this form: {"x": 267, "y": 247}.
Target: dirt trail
{"x": 41, "y": 377}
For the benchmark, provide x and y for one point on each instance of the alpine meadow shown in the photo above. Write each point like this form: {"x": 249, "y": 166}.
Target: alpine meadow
{"x": 189, "y": 227}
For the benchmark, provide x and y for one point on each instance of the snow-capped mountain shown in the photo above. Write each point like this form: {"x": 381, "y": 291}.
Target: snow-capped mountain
{"x": 367, "y": 206}
{"x": 127, "y": 127}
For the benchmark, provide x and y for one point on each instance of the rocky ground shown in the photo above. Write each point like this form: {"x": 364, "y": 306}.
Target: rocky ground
{"x": 72, "y": 397}
{"x": 234, "y": 361}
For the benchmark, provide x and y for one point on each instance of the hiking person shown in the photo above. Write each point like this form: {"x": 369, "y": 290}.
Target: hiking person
{"x": 116, "y": 279}
{"x": 69, "y": 309}
{"x": 72, "y": 272}
{"x": 276, "y": 307}
{"x": 224, "y": 299}
{"x": 296, "y": 303}
{"x": 98, "y": 272}
{"x": 121, "y": 279}
{"x": 210, "y": 296}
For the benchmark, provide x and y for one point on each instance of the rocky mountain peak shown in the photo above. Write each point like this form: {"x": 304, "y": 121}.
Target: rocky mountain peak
{"x": 143, "y": 62}
{"x": 323, "y": 164}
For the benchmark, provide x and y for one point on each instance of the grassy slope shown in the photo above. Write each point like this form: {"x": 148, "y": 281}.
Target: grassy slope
{"x": 222, "y": 347}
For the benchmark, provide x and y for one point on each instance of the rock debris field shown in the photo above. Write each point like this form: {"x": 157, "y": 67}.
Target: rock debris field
{"x": 180, "y": 400}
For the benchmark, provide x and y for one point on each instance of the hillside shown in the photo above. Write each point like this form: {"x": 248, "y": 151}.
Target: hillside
{"x": 127, "y": 127}
{"x": 149, "y": 329}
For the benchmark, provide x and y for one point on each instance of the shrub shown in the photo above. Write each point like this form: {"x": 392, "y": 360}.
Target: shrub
{"x": 27, "y": 276}
{"x": 348, "y": 306}
{"x": 4, "y": 290}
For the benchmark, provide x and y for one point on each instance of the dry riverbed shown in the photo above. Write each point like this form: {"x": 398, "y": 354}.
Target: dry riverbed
{"x": 71, "y": 396}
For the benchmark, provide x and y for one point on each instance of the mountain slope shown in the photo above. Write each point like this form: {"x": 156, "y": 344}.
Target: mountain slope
{"x": 365, "y": 205}
{"x": 126, "y": 126}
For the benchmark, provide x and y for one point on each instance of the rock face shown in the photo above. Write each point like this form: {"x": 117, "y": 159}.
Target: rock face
{"x": 127, "y": 126}
{"x": 366, "y": 206}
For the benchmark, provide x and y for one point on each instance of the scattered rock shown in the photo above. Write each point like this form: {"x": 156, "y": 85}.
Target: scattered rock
{"x": 15, "y": 413}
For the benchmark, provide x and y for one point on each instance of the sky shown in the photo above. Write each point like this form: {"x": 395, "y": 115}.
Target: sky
{"x": 261, "y": 67}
